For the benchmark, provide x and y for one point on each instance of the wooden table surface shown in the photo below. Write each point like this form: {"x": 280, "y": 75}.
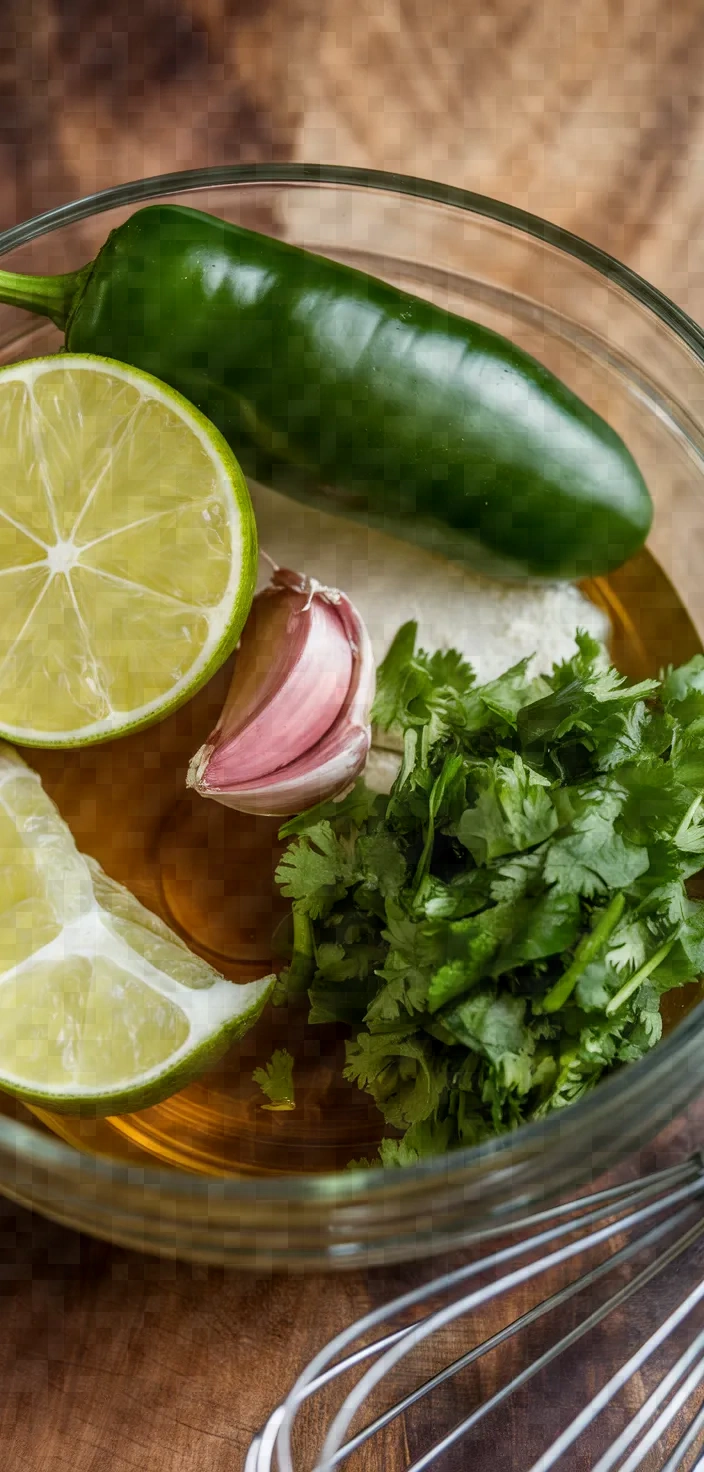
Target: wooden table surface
{"x": 592, "y": 115}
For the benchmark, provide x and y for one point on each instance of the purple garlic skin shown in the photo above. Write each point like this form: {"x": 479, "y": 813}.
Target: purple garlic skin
{"x": 295, "y": 729}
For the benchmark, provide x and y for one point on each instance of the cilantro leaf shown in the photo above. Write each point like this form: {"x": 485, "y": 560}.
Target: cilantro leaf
{"x": 426, "y": 1137}
{"x": 546, "y": 926}
{"x": 584, "y": 665}
{"x": 629, "y": 946}
{"x": 415, "y": 950}
{"x": 687, "y": 759}
{"x": 655, "y": 804}
{"x": 492, "y": 1024}
{"x": 683, "y": 690}
{"x": 317, "y": 869}
{"x": 275, "y": 1080}
{"x": 514, "y": 811}
{"x": 592, "y": 719}
{"x": 646, "y": 1028}
{"x": 515, "y": 877}
{"x": 464, "y": 893}
{"x": 421, "y": 690}
{"x": 357, "y": 807}
{"x": 392, "y": 678}
{"x": 404, "y": 1072}
{"x": 535, "y": 848}
{"x": 449, "y": 671}
{"x": 593, "y": 858}
{"x": 498, "y": 703}
{"x": 382, "y": 863}
{"x": 478, "y": 945}
{"x": 344, "y": 983}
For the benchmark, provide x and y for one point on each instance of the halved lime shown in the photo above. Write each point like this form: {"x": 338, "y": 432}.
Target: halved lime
{"x": 128, "y": 550}
{"x": 102, "y": 1008}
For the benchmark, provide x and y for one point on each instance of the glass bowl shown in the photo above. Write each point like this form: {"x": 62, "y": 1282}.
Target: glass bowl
{"x": 637, "y": 359}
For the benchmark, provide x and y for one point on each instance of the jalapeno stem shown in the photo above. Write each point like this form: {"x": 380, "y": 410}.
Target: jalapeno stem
{"x": 50, "y": 296}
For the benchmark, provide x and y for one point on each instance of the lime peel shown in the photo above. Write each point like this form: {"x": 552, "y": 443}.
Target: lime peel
{"x": 128, "y": 550}
{"x": 113, "y": 1012}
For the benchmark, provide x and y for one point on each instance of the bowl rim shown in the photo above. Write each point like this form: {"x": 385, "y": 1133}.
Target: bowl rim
{"x": 340, "y": 1187}
{"x": 377, "y": 179}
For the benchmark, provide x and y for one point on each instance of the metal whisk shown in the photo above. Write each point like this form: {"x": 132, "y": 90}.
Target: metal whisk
{"x": 660, "y": 1216}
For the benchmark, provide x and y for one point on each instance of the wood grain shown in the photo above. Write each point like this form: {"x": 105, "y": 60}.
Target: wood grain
{"x": 592, "y": 115}
{"x": 113, "y": 1361}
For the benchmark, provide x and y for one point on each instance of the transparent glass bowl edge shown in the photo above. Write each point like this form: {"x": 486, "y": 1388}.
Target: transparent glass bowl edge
{"x": 468, "y": 1176}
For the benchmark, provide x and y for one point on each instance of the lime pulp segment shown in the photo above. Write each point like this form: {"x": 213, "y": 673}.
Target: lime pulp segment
{"x": 127, "y": 549}
{"x": 102, "y": 1008}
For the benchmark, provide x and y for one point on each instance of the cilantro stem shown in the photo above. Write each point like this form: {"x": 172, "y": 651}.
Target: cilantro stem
{"x": 410, "y": 745}
{"x": 638, "y": 977}
{"x": 301, "y": 969}
{"x": 425, "y": 857}
{"x": 687, "y": 819}
{"x": 586, "y": 952}
{"x": 451, "y": 766}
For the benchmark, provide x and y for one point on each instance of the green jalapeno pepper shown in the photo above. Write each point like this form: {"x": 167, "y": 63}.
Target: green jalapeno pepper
{"x": 355, "y": 397}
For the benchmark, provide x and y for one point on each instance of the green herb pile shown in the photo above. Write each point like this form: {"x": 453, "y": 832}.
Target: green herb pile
{"x": 498, "y": 931}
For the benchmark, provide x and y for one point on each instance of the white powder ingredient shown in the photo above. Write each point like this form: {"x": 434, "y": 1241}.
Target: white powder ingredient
{"x": 492, "y": 623}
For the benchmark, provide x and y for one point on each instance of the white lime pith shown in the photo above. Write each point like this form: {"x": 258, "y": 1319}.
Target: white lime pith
{"x": 127, "y": 550}
{"x": 102, "y": 1008}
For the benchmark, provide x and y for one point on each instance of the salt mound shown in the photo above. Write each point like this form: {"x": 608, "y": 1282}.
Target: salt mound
{"x": 492, "y": 623}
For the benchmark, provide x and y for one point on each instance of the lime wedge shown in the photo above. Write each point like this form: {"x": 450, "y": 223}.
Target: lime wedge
{"x": 102, "y": 1008}
{"x": 127, "y": 550}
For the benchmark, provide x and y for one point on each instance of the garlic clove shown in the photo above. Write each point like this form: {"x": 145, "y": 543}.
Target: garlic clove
{"x": 327, "y": 771}
{"x": 295, "y": 727}
{"x": 291, "y": 680}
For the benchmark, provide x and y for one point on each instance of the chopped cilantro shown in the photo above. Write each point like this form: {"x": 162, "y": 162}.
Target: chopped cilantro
{"x": 497, "y": 932}
{"x": 275, "y": 1080}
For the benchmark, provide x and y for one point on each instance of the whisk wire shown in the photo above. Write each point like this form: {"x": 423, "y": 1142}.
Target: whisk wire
{"x": 445, "y": 1316}
{"x": 531, "y": 1316}
{"x": 590, "y": 1221}
{"x": 628, "y": 1195}
{"x": 573, "y": 1337}
{"x": 262, "y": 1449}
{"x": 677, "y": 1402}
{"x": 685, "y": 1445}
{"x": 617, "y": 1382}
